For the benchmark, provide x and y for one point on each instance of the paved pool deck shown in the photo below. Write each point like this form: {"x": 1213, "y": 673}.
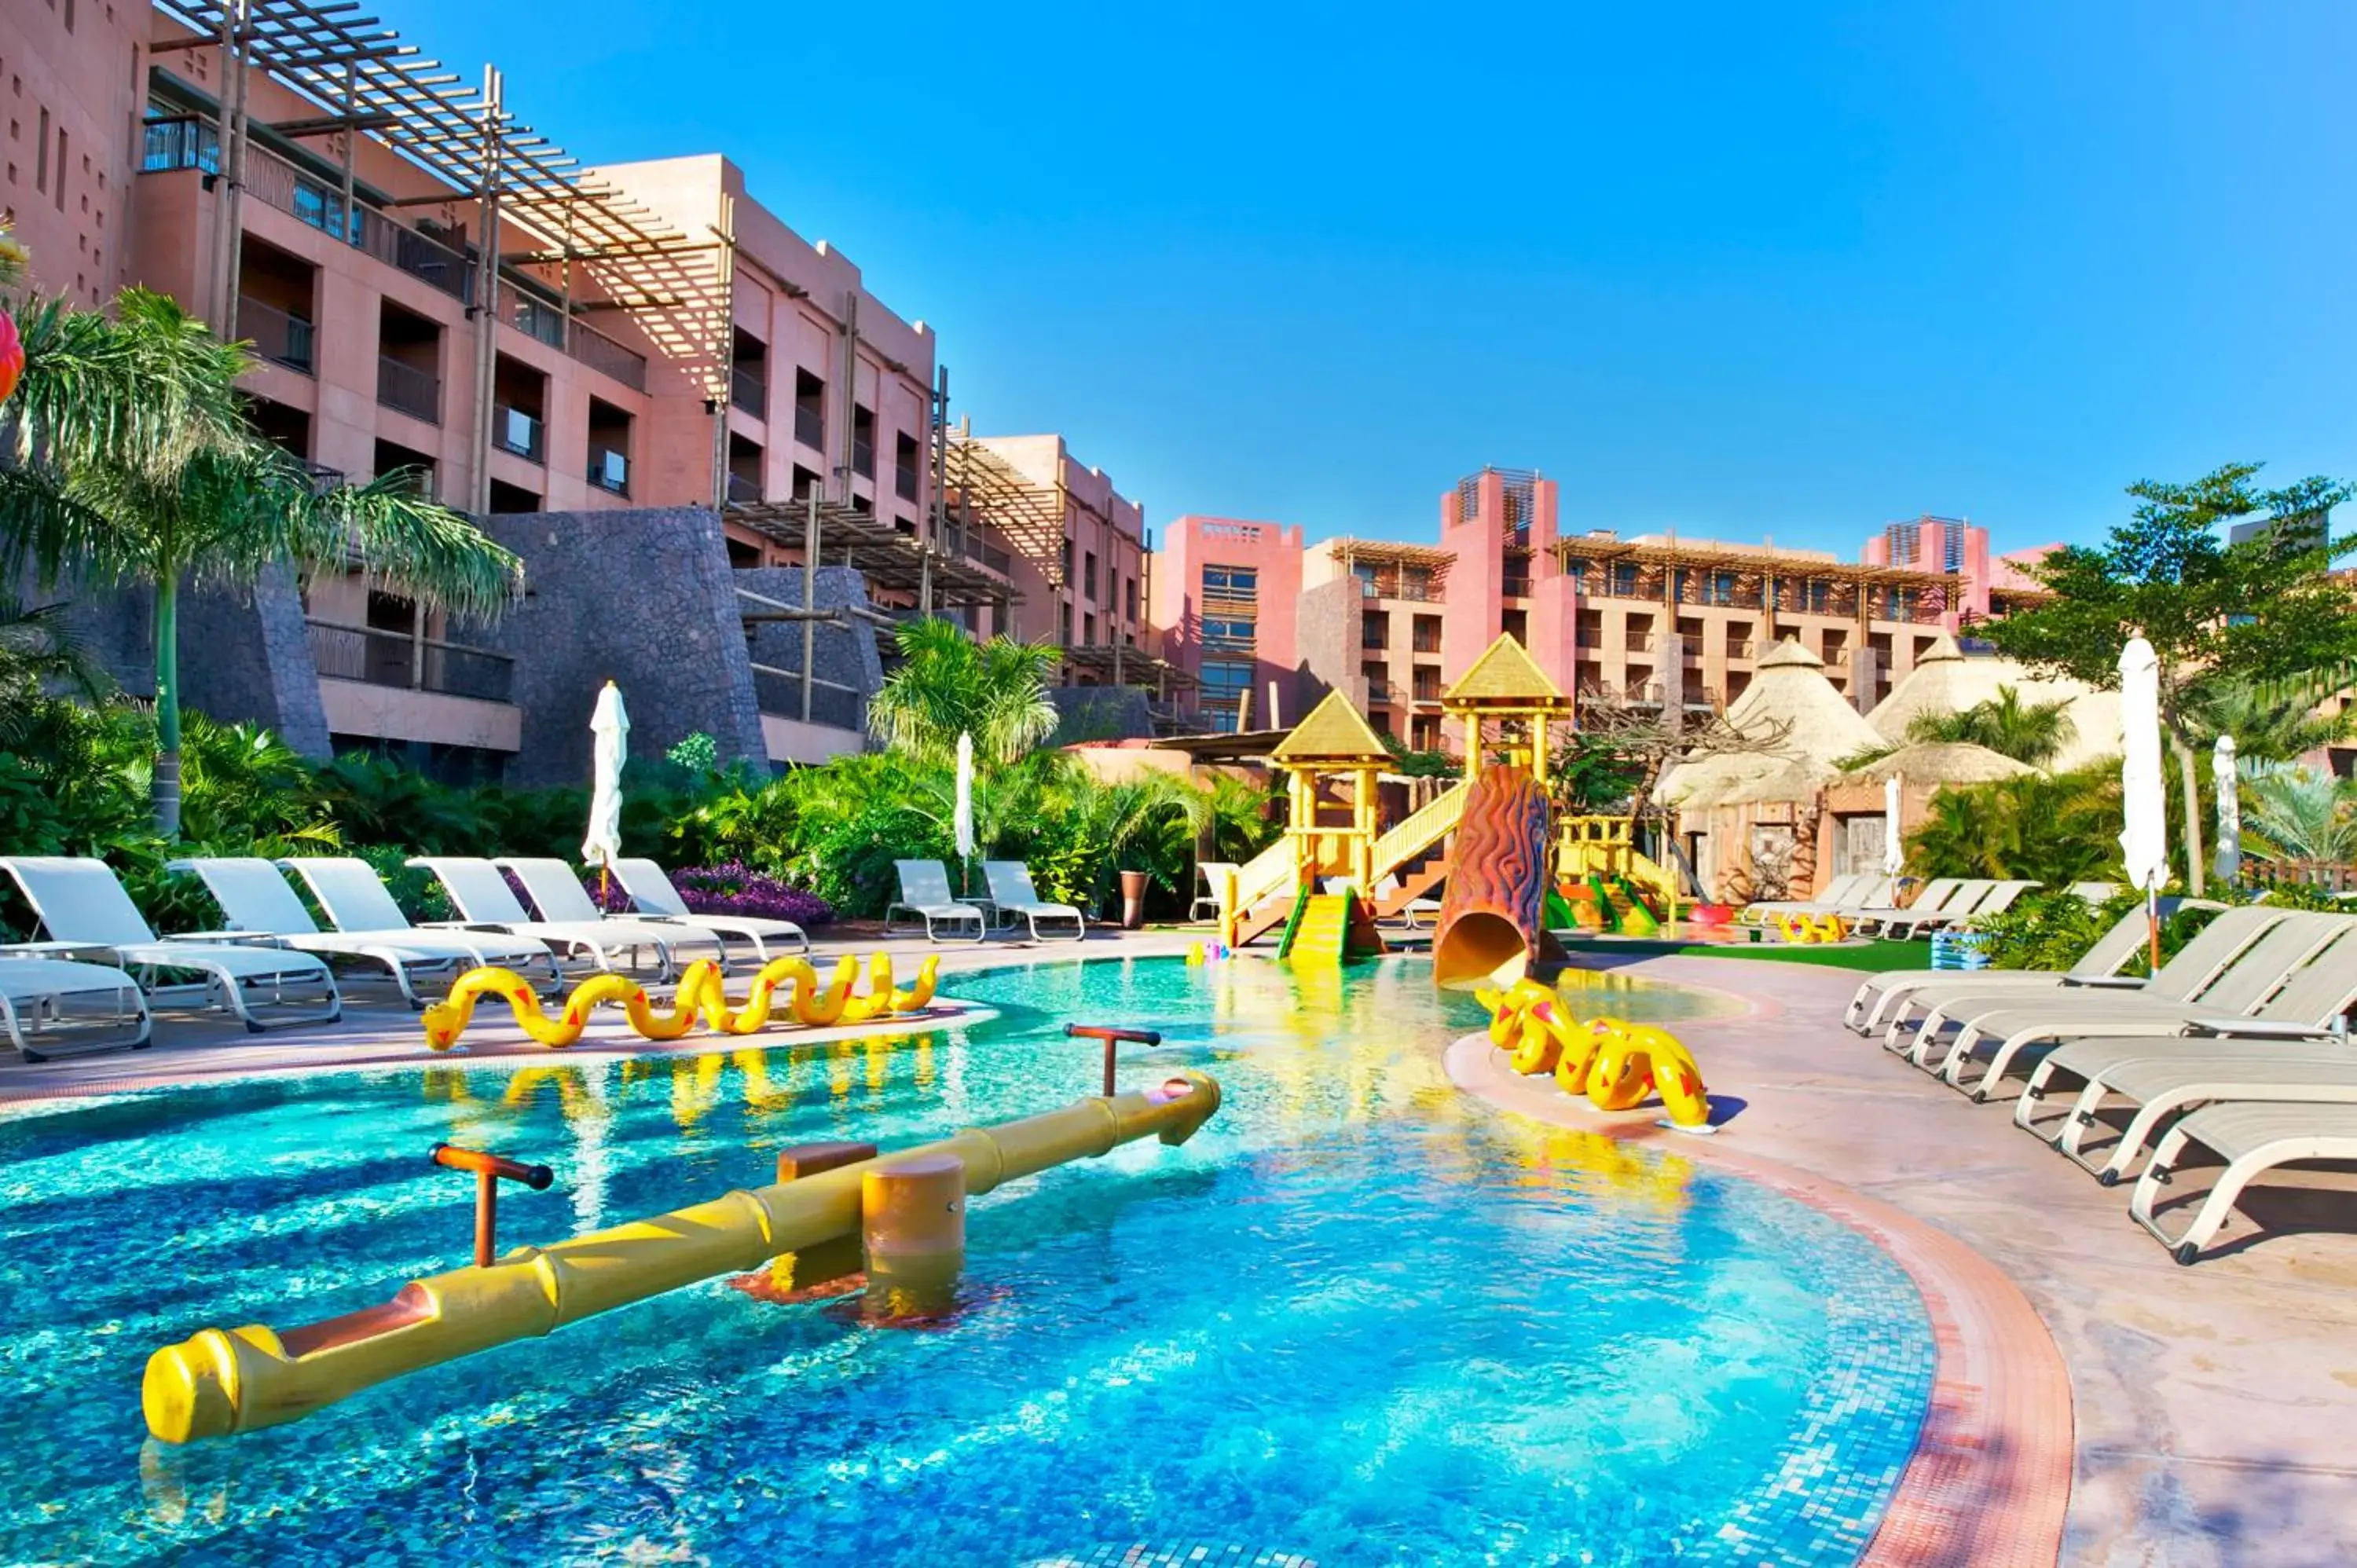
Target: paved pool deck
{"x": 2095, "y": 1401}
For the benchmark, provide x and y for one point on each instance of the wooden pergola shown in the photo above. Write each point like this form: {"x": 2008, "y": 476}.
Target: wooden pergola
{"x": 1676, "y": 573}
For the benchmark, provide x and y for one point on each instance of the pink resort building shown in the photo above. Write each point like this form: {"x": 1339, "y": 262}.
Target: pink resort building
{"x": 1651, "y": 617}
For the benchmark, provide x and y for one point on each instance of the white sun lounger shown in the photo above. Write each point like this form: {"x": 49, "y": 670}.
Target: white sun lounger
{"x": 2164, "y": 1088}
{"x": 1848, "y": 891}
{"x": 1208, "y": 872}
{"x": 1892, "y": 995}
{"x": 555, "y": 890}
{"x": 253, "y": 896}
{"x": 32, "y": 995}
{"x": 1958, "y": 901}
{"x": 2241, "y": 992}
{"x": 925, "y": 893}
{"x": 2251, "y": 1138}
{"x": 1010, "y": 888}
{"x": 1384, "y": 887}
{"x": 359, "y": 904}
{"x": 483, "y": 899}
{"x": 82, "y": 906}
{"x": 654, "y": 897}
{"x": 2180, "y": 979}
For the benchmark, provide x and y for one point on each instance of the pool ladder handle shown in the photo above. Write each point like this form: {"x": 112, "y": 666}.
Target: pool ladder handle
{"x": 490, "y": 1171}
{"x": 1111, "y": 1036}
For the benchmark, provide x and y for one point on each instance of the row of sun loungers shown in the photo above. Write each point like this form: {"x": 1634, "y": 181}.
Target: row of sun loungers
{"x": 90, "y": 985}
{"x": 2238, "y": 1045}
{"x": 271, "y": 964}
{"x": 1863, "y": 899}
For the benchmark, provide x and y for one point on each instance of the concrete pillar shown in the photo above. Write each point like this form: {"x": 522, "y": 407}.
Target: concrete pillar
{"x": 1670, "y": 662}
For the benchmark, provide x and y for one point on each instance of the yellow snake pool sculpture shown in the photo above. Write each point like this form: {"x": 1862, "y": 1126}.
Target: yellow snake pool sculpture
{"x": 1811, "y": 928}
{"x": 701, "y": 993}
{"x": 1614, "y": 1063}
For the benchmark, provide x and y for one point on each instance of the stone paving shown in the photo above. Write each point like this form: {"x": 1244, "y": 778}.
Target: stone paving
{"x": 2208, "y": 1411}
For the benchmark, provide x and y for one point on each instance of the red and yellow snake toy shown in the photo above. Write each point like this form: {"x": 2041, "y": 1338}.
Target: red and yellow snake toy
{"x": 700, "y": 993}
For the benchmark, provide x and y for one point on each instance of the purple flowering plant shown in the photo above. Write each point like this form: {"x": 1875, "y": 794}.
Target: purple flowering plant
{"x": 734, "y": 889}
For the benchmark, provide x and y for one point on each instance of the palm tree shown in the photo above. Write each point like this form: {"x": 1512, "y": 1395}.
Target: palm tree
{"x": 2301, "y": 813}
{"x": 2267, "y": 725}
{"x": 948, "y": 684}
{"x": 2031, "y": 732}
{"x": 135, "y": 465}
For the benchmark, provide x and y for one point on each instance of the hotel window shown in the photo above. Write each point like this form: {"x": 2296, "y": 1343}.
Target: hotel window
{"x": 1365, "y": 572}
{"x": 1426, "y": 632}
{"x": 1232, "y": 583}
{"x": 1624, "y": 579}
{"x": 1089, "y": 576}
{"x": 1374, "y": 628}
{"x": 1722, "y": 589}
{"x": 1129, "y": 597}
{"x": 1226, "y": 680}
{"x": 1415, "y": 583}
{"x": 1236, "y": 632}
{"x": 1088, "y": 631}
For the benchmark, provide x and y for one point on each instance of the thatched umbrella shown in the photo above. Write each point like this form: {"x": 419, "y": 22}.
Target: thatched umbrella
{"x": 1943, "y": 762}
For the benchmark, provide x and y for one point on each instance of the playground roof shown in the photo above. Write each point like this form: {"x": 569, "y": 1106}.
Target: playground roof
{"x": 1334, "y": 731}
{"x": 1506, "y": 676}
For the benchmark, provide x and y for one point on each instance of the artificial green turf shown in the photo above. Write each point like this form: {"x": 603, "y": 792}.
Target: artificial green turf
{"x": 1874, "y": 957}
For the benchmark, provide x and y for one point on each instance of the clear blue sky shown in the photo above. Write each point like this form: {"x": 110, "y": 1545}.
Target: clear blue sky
{"x": 1788, "y": 270}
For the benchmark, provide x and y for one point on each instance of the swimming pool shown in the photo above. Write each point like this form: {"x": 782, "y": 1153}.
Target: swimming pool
{"x": 1356, "y": 1320}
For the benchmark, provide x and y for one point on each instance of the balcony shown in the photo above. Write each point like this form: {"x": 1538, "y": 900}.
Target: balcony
{"x": 748, "y": 391}
{"x": 610, "y": 471}
{"x": 408, "y": 390}
{"x": 810, "y": 426}
{"x": 904, "y": 483}
{"x": 278, "y": 337}
{"x": 1641, "y": 642}
{"x": 1515, "y": 587}
{"x": 1380, "y": 692}
{"x": 535, "y": 319}
{"x": 518, "y": 433}
{"x": 1739, "y": 647}
{"x": 744, "y": 491}
{"x": 863, "y": 456}
{"x": 395, "y": 659}
{"x": 602, "y": 354}
{"x": 779, "y": 693}
{"x": 985, "y": 554}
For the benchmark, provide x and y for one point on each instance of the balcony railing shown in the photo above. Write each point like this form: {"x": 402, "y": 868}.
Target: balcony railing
{"x": 610, "y": 471}
{"x": 1738, "y": 648}
{"x": 516, "y": 432}
{"x": 744, "y": 491}
{"x": 862, "y": 458}
{"x": 779, "y": 692}
{"x": 278, "y": 335}
{"x": 904, "y": 483}
{"x": 534, "y": 318}
{"x": 1641, "y": 642}
{"x": 986, "y": 553}
{"x": 1515, "y": 587}
{"x": 406, "y": 388}
{"x": 396, "y": 658}
{"x": 601, "y": 354}
{"x": 748, "y": 391}
{"x": 809, "y": 425}
{"x": 1379, "y": 690}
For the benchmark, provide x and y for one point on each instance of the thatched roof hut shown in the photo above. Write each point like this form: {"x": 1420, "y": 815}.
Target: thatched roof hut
{"x": 1790, "y": 692}
{"x": 1943, "y": 762}
{"x": 1947, "y": 679}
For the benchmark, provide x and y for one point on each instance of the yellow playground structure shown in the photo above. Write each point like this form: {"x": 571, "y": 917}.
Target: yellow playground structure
{"x": 1506, "y": 859}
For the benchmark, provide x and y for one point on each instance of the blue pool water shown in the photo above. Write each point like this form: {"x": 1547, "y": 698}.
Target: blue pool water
{"x": 1357, "y": 1320}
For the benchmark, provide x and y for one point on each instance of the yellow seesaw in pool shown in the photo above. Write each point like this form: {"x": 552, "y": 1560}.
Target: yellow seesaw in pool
{"x": 700, "y": 993}
{"x": 1614, "y": 1063}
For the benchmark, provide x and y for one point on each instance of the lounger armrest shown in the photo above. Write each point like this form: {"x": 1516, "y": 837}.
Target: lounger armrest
{"x": 227, "y": 939}
{"x": 2106, "y": 981}
{"x": 60, "y": 950}
{"x": 2262, "y": 1028}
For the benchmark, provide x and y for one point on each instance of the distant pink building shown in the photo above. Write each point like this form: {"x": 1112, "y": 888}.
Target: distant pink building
{"x": 1657, "y": 618}
{"x": 1226, "y": 595}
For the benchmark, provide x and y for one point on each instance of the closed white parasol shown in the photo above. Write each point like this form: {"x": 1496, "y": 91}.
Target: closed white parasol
{"x": 2144, "y": 834}
{"x": 2229, "y": 864}
{"x": 962, "y": 814}
{"x": 609, "y": 724}
{"x": 1894, "y": 853}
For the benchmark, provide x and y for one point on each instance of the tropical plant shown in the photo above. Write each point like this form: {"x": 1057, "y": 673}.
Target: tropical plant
{"x": 2268, "y": 724}
{"x": 2299, "y": 814}
{"x": 2056, "y": 828}
{"x": 160, "y": 482}
{"x": 2028, "y": 732}
{"x": 38, "y": 651}
{"x": 947, "y": 684}
{"x": 2260, "y": 612}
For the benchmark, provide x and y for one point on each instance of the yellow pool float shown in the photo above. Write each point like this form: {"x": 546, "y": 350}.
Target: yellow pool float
{"x": 1641, "y": 1061}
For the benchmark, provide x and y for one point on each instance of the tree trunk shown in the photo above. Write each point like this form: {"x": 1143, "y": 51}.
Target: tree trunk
{"x": 2187, "y": 775}
{"x": 164, "y": 794}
